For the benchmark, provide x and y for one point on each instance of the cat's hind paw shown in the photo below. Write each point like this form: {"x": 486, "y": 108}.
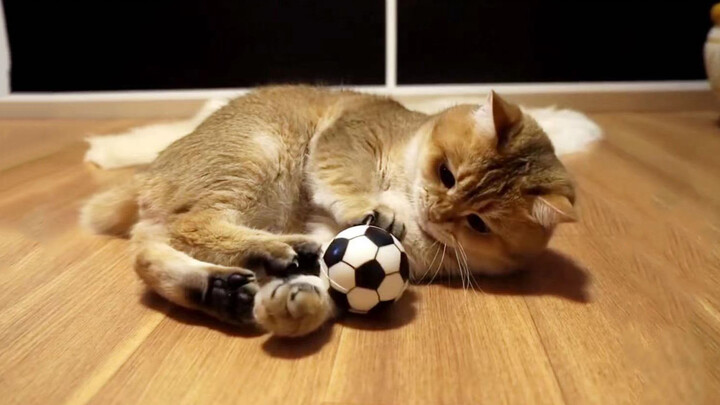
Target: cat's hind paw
{"x": 228, "y": 296}
{"x": 293, "y": 306}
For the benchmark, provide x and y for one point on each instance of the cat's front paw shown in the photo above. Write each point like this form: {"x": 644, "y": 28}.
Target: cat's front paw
{"x": 291, "y": 254}
{"x": 294, "y": 306}
{"x": 385, "y": 217}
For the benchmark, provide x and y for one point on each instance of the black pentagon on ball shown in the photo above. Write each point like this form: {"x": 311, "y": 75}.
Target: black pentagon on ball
{"x": 370, "y": 275}
{"x": 335, "y": 251}
{"x": 378, "y": 236}
{"x": 340, "y": 299}
{"x": 404, "y": 266}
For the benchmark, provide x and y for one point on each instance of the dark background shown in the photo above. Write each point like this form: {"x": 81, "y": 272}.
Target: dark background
{"x": 551, "y": 41}
{"x": 182, "y": 44}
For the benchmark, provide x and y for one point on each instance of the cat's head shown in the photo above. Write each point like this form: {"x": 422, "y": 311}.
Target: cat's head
{"x": 488, "y": 178}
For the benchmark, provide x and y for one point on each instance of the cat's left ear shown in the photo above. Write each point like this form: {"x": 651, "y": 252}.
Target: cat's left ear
{"x": 503, "y": 116}
{"x": 552, "y": 209}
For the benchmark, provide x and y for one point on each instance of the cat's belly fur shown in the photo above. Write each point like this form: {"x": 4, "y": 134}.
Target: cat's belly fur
{"x": 248, "y": 158}
{"x": 264, "y": 185}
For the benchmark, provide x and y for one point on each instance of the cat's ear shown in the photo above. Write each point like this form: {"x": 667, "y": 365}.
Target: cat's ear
{"x": 500, "y": 115}
{"x": 552, "y": 209}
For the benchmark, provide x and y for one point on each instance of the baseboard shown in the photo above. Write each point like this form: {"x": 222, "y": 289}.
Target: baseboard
{"x": 588, "y": 97}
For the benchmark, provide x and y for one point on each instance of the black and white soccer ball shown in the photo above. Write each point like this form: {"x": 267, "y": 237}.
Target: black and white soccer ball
{"x": 367, "y": 268}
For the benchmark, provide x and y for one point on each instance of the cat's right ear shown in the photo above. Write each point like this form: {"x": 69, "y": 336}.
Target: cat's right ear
{"x": 501, "y": 115}
{"x": 550, "y": 210}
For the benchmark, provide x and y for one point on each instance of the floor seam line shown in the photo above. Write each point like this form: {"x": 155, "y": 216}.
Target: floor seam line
{"x": 547, "y": 355}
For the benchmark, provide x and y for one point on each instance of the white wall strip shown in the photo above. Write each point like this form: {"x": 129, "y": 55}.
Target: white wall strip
{"x": 579, "y": 87}
{"x": 4, "y": 56}
{"x": 403, "y": 90}
{"x": 390, "y": 43}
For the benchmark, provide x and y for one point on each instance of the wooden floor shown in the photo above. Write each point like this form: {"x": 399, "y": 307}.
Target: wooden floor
{"x": 625, "y": 308}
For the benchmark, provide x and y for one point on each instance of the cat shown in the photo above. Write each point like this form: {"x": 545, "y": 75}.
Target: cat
{"x": 231, "y": 219}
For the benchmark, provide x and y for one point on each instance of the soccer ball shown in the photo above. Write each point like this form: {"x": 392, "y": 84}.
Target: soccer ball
{"x": 367, "y": 269}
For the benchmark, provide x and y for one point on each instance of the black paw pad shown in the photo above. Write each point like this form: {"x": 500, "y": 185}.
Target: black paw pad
{"x": 308, "y": 256}
{"x": 230, "y": 296}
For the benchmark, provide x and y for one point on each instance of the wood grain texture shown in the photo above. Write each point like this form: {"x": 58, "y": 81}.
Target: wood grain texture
{"x": 624, "y": 308}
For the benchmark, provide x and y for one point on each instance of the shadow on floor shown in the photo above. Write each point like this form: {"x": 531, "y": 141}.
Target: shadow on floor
{"x": 295, "y": 348}
{"x": 396, "y": 316}
{"x": 196, "y": 318}
{"x": 286, "y": 348}
{"x": 552, "y": 273}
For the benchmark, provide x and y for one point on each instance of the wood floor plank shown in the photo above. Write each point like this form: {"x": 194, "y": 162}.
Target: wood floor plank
{"x": 686, "y": 157}
{"x": 189, "y": 359}
{"x": 630, "y": 344}
{"x": 460, "y": 348}
{"x": 56, "y": 335}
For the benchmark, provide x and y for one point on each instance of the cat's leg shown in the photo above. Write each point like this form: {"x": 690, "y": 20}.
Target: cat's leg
{"x": 288, "y": 303}
{"x": 345, "y": 180}
{"x": 216, "y": 236}
{"x": 224, "y": 292}
{"x": 290, "y": 306}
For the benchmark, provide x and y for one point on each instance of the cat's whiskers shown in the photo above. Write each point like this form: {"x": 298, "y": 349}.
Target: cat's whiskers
{"x": 474, "y": 280}
{"x": 464, "y": 271}
{"x": 442, "y": 258}
{"x": 432, "y": 262}
{"x": 466, "y": 268}
{"x": 460, "y": 268}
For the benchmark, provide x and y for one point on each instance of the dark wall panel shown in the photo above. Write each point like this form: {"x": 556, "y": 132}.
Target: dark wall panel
{"x": 166, "y": 44}
{"x": 545, "y": 41}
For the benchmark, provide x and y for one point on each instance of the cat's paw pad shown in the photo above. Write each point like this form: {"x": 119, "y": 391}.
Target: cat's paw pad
{"x": 385, "y": 218}
{"x": 229, "y": 296}
{"x": 293, "y": 307}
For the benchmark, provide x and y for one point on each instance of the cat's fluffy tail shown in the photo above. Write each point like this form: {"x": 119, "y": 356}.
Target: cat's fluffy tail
{"x": 570, "y": 131}
{"x": 142, "y": 144}
{"x": 111, "y": 212}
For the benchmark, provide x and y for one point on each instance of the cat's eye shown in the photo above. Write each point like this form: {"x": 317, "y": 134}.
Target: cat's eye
{"x": 446, "y": 176}
{"x": 477, "y": 224}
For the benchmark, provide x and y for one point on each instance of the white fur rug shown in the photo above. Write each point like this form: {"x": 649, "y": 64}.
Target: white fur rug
{"x": 570, "y": 131}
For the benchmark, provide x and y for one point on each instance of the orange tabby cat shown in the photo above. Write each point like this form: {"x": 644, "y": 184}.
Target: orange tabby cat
{"x": 231, "y": 218}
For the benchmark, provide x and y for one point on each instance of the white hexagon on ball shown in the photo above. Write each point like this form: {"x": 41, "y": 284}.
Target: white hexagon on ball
{"x": 391, "y": 287}
{"x": 389, "y": 258}
{"x": 362, "y": 300}
{"x": 352, "y": 232}
{"x": 342, "y": 277}
{"x": 359, "y": 251}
